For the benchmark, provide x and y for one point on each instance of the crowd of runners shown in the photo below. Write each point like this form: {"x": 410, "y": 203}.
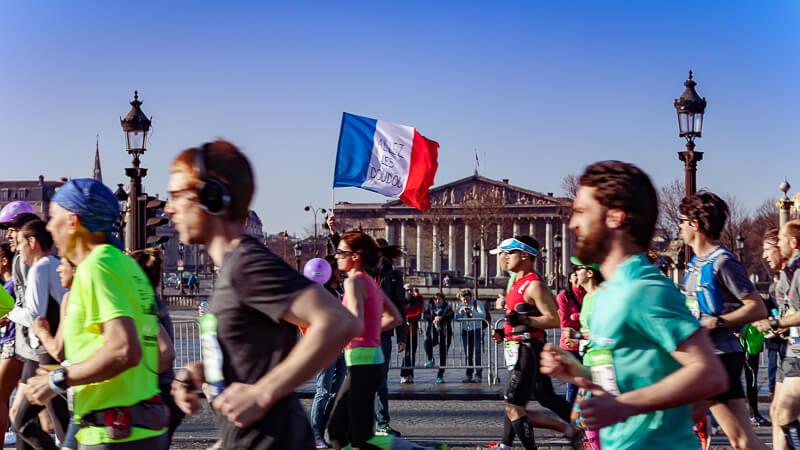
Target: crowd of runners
{"x": 88, "y": 346}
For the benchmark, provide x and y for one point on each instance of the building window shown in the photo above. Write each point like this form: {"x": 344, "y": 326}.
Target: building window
{"x": 4, "y": 194}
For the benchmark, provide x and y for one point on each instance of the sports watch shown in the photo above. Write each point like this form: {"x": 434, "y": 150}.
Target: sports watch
{"x": 774, "y": 323}
{"x": 58, "y": 380}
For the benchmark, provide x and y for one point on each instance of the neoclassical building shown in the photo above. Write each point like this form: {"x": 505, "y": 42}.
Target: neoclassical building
{"x": 462, "y": 212}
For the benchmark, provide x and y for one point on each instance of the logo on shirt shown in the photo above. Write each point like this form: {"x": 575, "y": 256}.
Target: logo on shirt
{"x": 603, "y": 341}
{"x": 523, "y": 287}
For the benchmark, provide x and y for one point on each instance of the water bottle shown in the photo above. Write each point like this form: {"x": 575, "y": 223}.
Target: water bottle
{"x": 3, "y": 332}
{"x": 775, "y": 313}
{"x": 203, "y": 306}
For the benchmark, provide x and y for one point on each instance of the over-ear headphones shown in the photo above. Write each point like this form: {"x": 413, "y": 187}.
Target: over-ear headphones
{"x": 213, "y": 194}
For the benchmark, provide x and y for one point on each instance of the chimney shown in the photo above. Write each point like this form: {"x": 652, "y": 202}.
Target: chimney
{"x": 505, "y": 180}
{"x": 549, "y": 194}
{"x": 41, "y": 180}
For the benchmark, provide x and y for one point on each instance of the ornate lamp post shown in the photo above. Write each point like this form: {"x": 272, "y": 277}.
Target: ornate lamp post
{"x": 298, "y": 251}
{"x": 122, "y": 198}
{"x": 740, "y": 246}
{"x": 476, "y": 252}
{"x": 690, "y": 107}
{"x": 556, "y": 262}
{"x": 544, "y": 260}
{"x": 785, "y": 204}
{"x": 441, "y": 260}
{"x": 314, "y": 212}
{"x": 136, "y": 125}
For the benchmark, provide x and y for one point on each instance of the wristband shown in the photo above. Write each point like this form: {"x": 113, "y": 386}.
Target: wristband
{"x": 774, "y": 323}
{"x": 720, "y": 322}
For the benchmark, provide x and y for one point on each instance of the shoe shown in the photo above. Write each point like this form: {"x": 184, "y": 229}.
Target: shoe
{"x": 477, "y": 378}
{"x": 440, "y": 380}
{"x": 321, "y": 444}
{"x": 429, "y": 364}
{"x": 410, "y": 379}
{"x": 577, "y": 438}
{"x": 760, "y": 421}
{"x": 387, "y": 431}
{"x": 10, "y": 438}
{"x": 467, "y": 379}
{"x": 403, "y": 380}
{"x": 701, "y": 430}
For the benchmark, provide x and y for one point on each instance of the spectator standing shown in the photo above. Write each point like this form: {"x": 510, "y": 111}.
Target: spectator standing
{"x": 439, "y": 316}
{"x": 569, "y": 304}
{"x": 753, "y": 342}
{"x": 471, "y": 332}
{"x": 414, "y": 309}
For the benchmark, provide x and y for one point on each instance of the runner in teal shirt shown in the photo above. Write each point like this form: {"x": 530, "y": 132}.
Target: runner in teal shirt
{"x": 639, "y": 318}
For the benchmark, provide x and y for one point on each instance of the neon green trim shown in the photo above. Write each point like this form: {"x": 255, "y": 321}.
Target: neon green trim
{"x": 383, "y": 442}
{"x": 362, "y": 356}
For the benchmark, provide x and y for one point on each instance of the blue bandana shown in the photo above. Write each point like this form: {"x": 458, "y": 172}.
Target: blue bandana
{"x": 93, "y": 202}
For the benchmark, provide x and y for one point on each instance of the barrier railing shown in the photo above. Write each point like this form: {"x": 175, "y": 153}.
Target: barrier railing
{"x": 187, "y": 342}
{"x": 467, "y": 348}
{"x": 186, "y": 301}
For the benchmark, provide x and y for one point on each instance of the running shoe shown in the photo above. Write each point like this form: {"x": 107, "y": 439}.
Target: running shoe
{"x": 701, "y": 429}
{"x": 467, "y": 379}
{"x": 321, "y": 444}
{"x": 403, "y": 380}
{"x": 10, "y": 438}
{"x": 760, "y": 421}
{"x": 387, "y": 431}
{"x": 440, "y": 380}
{"x": 429, "y": 364}
{"x": 577, "y": 439}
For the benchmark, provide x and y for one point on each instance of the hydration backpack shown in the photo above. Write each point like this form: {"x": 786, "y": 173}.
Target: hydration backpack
{"x": 709, "y": 297}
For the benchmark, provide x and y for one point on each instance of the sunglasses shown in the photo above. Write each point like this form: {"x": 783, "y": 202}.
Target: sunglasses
{"x": 344, "y": 252}
{"x": 682, "y": 219}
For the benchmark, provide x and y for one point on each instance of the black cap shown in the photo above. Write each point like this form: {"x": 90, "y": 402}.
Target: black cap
{"x": 19, "y": 220}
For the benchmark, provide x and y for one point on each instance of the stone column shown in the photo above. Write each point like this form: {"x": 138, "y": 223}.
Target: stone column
{"x": 388, "y": 231}
{"x": 515, "y": 228}
{"x": 467, "y": 250}
{"x": 451, "y": 246}
{"x": 435, "y": 246}
{"x": 484, "y": 259}
{"x": 532, "y": 229}
{"x": 403, "y": 243}
{"x": 565, "y": 250}
{"x": 548, "y": 239}
{"x": 419, "y": 246}
{"x": 498, "y": 270}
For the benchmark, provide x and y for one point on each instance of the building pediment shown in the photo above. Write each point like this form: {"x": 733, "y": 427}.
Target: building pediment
{"x": 461, "y": 192}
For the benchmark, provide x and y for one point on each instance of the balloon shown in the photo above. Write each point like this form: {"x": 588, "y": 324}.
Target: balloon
{"x": 318, "y": 270}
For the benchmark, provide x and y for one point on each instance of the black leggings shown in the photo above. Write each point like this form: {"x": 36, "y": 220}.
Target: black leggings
{"x": 441, "y": 337}
{"x": 527, "y": 382}
{"x": 26, "y": 423}
{"x": 751, "y": 378}
{"x": 352, "y": 419}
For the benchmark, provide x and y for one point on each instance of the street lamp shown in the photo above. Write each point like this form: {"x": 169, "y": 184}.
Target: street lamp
{"x": 298, "y": 250}
{"x": 690, "y": 107}
{"x": 544, "y": 261}
{"x": 785, "y": 204}
{"x": 314, "y": 211}
{"x": 122, "y": 198}
{"x": 740, "y": 246}
{"x": 441, "y": 260}
{"x": 180, "y": 267}
{"x": 557, "y": 246}
{"x": 136, "y": 125}
{"x": 476, "y": 252}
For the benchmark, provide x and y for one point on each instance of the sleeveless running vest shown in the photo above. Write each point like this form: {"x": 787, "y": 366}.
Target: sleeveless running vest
{"x": 366, "y": 349}
{"x": 515, "y": 301}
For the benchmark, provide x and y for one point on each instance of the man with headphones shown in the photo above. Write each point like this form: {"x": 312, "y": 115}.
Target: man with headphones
{"x": 257, "y": 304}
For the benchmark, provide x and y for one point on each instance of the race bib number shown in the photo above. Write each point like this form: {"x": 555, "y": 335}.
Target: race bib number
{"x": 511, "y": 353}
{"x": 694, "y": 307}
{"x": 602, "y": 367}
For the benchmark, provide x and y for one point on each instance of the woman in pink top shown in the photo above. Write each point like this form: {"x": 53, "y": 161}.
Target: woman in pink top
{"x": 352, "y": 419}
{"x": 569, "y": 310}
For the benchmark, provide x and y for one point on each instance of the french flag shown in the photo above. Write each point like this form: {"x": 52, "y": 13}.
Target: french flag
{"x": 387, "y": 158}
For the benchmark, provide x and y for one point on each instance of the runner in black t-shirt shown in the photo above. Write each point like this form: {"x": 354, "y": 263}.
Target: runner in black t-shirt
{"x": 258, "y": 302}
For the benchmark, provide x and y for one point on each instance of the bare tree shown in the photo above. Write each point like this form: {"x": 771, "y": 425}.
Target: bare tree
{"x": 736, "y": 220}
{"x": 570, "y": 184}
{"x": 483, "y": 207}
{"x": 669, "y": 201}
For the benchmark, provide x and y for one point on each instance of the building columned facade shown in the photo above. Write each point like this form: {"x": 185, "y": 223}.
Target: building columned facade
{"x": 38, "y": 193}
{"x": 473, "y": 211}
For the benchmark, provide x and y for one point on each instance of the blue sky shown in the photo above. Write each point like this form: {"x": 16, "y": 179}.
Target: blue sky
{"x": 540, "y": 89}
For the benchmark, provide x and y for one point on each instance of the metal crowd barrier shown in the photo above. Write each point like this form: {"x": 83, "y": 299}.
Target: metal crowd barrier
{"x": 187, "y": 342}
{"x": 420, "y": 346}
{"x": 185, "y": 301}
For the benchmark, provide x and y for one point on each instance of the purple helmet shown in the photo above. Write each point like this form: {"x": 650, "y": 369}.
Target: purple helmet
{"x": 12, "y": 209}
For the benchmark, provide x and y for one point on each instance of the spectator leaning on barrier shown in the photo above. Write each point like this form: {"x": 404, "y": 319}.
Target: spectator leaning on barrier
{"x": 569, "y": 310}
{"x": 414, "y": 309}
{"x": 471, "y": 311}
{"x": 439, "y": 316}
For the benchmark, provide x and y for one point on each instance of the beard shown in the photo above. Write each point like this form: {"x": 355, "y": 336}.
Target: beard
{"x": 594, "y": 246}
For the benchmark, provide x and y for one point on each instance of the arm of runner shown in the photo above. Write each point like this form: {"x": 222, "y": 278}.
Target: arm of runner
{"x": 538, "y": 295}
{"x": 390, "y": 318}
{"x": 559, "y": 364}
{"x": 752, "y": 309}
{"x": 166, "y": 350}
{"x": 792, "y": 320}
{"x": 37, "y": 294}
{"x": 120, "y": 352}
{"x": 330, "y": 328}
{"x": 701, "y": 376}
{"x": 53, "y": 344}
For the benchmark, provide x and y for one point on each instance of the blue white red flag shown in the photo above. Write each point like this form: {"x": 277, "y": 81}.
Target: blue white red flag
{"x": 387, "y": 158}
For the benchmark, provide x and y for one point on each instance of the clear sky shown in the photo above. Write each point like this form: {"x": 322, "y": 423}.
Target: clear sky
{"x": 540, "y": 89}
